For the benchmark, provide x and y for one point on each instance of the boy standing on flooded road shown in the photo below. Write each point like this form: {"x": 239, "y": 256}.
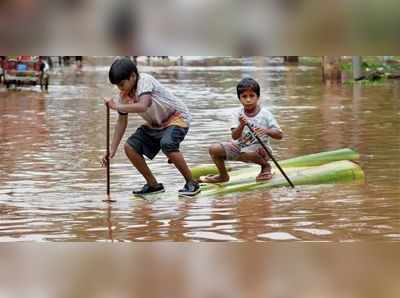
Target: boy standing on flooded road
{"x": 245, "y": 146}
{"x": 167, "y": 123}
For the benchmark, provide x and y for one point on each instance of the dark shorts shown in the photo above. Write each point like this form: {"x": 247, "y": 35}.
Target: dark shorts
{"x": 147, "y": 141}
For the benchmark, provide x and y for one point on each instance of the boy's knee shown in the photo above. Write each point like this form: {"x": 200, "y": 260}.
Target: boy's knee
{"x": 215, "y": 150}
{"x": 129, "y": 149}
{"x": 262, "y": 154}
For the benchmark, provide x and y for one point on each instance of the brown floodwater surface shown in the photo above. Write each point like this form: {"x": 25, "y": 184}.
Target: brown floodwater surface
{"x": 52, "y": 187}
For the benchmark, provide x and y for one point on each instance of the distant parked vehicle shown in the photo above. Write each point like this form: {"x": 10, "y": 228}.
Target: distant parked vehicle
{"x": 26, "y": 70}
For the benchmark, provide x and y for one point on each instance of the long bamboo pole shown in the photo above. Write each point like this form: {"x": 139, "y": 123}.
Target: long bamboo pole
{"x": 108, "y": 200}
{"x": 108, "y": 150}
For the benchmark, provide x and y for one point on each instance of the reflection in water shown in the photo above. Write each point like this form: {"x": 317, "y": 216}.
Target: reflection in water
{"x": 51, "y": 185}
{"x": 110, "y": 223}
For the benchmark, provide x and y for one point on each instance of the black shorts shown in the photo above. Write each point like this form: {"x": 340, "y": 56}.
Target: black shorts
{"x": 148, "y": 141}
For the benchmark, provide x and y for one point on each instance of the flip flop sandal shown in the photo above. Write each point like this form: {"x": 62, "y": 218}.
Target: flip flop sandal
{"x": 265, "y": 176}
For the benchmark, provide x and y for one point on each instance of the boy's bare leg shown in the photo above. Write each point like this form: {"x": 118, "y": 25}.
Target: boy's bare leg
{"x": 140, "y": 164}
{"x": 179, "y": 161}
{"x": 218, "y": 155}
{"x": 255, "y": 157}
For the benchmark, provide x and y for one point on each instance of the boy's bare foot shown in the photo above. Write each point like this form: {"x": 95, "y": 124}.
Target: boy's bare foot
{"x": 214, "y": 179}
{"x": 265, "y": 174}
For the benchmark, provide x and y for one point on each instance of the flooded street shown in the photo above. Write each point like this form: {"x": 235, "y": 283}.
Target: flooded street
{"x": 52, "y": 186}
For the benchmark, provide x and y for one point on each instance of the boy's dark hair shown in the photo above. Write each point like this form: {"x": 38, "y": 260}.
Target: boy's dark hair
{"x": 248, "y": 84}
{"x": 122, "y": 69}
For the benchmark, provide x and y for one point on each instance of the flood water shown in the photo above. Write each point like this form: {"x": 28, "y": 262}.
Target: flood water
{"x": 52, "y": 187}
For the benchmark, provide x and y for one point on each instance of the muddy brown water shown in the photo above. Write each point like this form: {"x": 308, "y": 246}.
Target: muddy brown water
{"x": 51, "y": 185}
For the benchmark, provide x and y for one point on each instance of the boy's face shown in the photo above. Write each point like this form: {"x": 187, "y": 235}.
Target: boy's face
{"x": 126, "y": 86}
{"x": 249, "y": 100}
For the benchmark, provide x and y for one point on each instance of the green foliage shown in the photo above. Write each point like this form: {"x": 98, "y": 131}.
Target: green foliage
{"x": 346, "y": 66}
{"x": 376, "y": 72}
{"x": 365, "y": 82}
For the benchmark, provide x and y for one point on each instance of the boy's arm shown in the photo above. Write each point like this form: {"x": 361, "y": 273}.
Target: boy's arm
{"x": 237, "y": 132}
{"x": 141, "y": 106}
{"x": 274, "y": 133}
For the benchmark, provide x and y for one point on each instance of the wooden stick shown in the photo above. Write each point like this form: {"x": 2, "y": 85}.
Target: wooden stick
{"x": 108, "y": 150}
{"x": 108, "y": 200}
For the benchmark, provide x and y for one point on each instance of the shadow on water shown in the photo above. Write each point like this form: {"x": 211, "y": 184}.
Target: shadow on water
{"x": 51, "y": 185}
